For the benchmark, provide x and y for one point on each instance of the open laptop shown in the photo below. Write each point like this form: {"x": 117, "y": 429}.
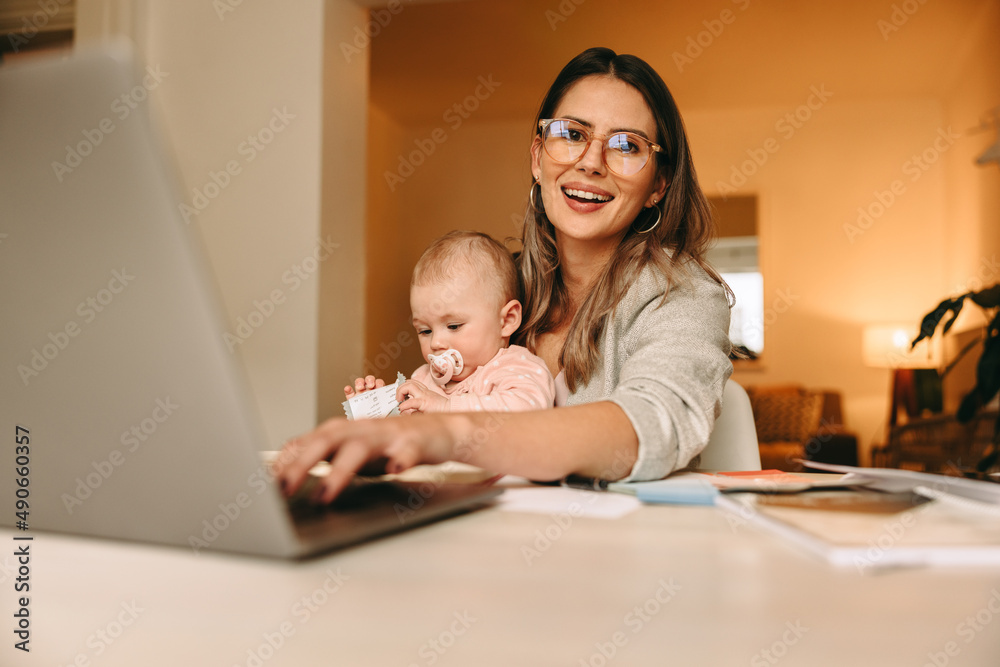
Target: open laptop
{"x": 121, "y": 405}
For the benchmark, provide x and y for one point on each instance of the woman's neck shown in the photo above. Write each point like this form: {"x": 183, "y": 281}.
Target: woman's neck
{"x": 580, "y": 265}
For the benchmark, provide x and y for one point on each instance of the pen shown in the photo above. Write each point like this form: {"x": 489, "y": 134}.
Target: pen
{"x": 586, "y": 483}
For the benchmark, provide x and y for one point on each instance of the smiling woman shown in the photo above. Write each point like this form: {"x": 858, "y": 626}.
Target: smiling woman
{"x": 619, "y": 303}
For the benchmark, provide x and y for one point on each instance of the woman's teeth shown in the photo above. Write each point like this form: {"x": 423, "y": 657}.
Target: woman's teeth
{"x": 589, "y": 196}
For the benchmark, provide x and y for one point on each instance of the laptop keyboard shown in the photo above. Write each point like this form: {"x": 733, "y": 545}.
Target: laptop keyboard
{"x": 362, "y": 494}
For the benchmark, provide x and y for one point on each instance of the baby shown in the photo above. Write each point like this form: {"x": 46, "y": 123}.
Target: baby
{"x": 463, "y": 295}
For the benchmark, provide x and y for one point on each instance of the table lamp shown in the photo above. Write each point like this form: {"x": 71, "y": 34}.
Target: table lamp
{"x": 916, "y": 384}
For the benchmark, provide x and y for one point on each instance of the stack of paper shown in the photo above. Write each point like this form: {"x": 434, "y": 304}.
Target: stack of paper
{"x": 899, "y": 518}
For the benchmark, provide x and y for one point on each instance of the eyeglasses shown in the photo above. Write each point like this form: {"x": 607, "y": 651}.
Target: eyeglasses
{"x": 625, "y": 153}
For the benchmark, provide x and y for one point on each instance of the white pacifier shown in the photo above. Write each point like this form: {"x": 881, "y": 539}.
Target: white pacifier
{"x": 445, "y": 366}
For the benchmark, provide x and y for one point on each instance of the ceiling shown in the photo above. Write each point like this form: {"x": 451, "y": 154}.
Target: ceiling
{"x": 762, "y": 53}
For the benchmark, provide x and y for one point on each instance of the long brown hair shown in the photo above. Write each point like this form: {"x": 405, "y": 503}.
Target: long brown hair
{"x": 684, "y": 232}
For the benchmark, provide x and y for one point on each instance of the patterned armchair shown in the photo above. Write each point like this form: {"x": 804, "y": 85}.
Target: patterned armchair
{"x": 798, "y": 423}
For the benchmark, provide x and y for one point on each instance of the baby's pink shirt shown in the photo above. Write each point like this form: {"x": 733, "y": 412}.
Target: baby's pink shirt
{"x": 514, "y": 379}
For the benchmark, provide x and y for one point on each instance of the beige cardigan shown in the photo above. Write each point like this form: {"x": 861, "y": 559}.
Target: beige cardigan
{"x": 665, "y": 364}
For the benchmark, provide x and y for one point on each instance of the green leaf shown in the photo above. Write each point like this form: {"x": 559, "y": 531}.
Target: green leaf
{"x": 970, "y": 404}
{"x": 988, "y": 370}
{"x": 987, "y": 298}
{"x": 931, "y": 319}
{"x": 956, "y": 310}
{"x": 988, "y": 461}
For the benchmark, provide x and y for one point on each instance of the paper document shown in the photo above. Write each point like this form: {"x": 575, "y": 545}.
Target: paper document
{"x": 374, "y": 403}
{"x": 696, "y": 488}
{"x": 868, "y": 531}
{"x": 559, "y": 501}
{"x": 895, "y": 481}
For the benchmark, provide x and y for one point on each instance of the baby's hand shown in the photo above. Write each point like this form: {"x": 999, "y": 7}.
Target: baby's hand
{"x": 415, "y": 397}
{"x": 362, "y": 385}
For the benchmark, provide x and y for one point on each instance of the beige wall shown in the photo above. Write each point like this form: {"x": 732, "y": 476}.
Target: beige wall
{"x": 973, "y": 195}
{"x": 827, "y": 275}
{"x": 972, "y": 254}
{"x": 388, "y": 333}
{"x": 341, "y": 303}
{"x": 477, "y": 178}
{"x": 259, "y": 70}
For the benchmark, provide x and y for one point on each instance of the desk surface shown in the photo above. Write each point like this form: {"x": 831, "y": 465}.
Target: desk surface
{"x": 662, "y": 585}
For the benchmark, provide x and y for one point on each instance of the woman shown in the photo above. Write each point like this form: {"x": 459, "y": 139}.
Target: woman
{"x": 619, "y": 304}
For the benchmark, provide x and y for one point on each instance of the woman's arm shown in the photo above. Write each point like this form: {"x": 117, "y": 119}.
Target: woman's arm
{"x": 596, "y": 440}
{"x": 668, "y": 362}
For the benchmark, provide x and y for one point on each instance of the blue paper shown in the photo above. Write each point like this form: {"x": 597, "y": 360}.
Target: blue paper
{"x": 677, "y": 492}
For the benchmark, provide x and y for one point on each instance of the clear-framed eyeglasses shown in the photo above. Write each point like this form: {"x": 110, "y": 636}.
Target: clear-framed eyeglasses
{"x": 625, "y": 153}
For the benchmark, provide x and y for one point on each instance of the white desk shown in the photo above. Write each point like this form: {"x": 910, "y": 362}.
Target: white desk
{"x": 465, "y": 585}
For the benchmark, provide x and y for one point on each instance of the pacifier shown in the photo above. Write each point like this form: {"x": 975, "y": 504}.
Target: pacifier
{"x": 445, "y": 366}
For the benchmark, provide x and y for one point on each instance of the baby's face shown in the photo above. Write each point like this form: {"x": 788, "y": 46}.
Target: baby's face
{"x": 459, "y": 313}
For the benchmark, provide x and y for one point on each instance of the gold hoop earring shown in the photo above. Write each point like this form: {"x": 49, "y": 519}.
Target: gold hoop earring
{"x": 654, "y": 225}
{"x": 531, "y": 196}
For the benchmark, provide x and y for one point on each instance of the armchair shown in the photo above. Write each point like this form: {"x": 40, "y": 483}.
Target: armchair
{"x": 798, "y": 423}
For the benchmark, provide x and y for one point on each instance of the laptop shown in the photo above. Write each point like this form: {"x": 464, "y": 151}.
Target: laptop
{"x": 124, "y": 413}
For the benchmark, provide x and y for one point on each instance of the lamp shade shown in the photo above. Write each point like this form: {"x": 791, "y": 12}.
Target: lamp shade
{"x": 888, "y": 346}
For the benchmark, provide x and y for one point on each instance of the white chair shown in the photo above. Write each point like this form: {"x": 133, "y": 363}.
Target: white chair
{"x": 733, "y": 443}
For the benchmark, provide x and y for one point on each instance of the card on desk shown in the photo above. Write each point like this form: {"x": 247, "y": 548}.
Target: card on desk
{"x": 698, "y": 488}
{"x": 375, "y": 403}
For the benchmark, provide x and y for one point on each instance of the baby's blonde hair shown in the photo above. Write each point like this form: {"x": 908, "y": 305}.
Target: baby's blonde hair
{"x": 483, "y": 255}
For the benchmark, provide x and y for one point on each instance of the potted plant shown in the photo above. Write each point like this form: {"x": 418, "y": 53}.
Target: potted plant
{"x": 987, "y": 369}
